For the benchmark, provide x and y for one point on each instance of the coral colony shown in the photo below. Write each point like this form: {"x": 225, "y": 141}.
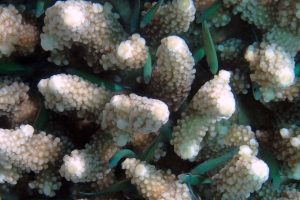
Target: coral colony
{"x": 175, "y": 99}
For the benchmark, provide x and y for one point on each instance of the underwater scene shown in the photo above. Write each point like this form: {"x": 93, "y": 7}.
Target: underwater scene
{"x": 137, "y": 99}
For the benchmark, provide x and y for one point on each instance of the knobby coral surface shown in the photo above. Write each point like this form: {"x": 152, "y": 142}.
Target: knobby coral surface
{"x": 74, "y": 90}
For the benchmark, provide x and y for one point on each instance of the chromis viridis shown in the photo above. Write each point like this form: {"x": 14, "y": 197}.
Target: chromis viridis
{"x": 41, "y": 6}
{"x": 198, "y": 54}
{"x": 97, "y": 80}
{"x": 211, "y": 10}
{"x": 211, "y": 164}
{"x": 274, "y": 172}
{"x": 13, "y": 67}
{"x": 135, "y": 16}
{"x": 297, "y": 69}
{"x": 210, "y": 50}
{"x": 255, "y": 90}
{"x": 150, "y": 14}
{"x": 113, "y": 161}
{"x": 147, "y": 69}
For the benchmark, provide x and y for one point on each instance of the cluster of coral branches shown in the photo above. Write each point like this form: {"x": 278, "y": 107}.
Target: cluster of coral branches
{"x": 74, "y": 90}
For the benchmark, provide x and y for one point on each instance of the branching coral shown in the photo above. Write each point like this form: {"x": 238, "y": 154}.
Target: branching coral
{"x": 207, "y": 114}
{"x": 153, "y": 183}
{"x": 174, "y": 73}
{"x": 241, "y": 176}
{"x": 89, "y": 164}
{"x": 274, "y": 69}
{"x": 28, "y": 151}
{"x": 16, "y": 36}
{"x": 173, "y": 18}
{"x": 66, "y": 93}
{"x": 129, "y": 54}
{"x": 211, "y": 103}
{"x": 214, "y": 99}
{"x": 260, "y": 13}
{"x": 284, "y": 144}
{"x": 127, "y": 115}
{"x": 12, "y": 93}
{"x": 69, "y": 23}
{"x": 222, "y": 137}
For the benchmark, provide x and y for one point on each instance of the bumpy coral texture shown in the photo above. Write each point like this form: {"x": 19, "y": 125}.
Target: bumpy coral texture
{"x": 12, "y": 93}
{"x": 11, "y": 175}
{"x": 261, "y": 13}
{"x": 223, "y": 137}
{"x": 128, "y": 55}
{"x": 24, "y": 149}
{"x": 153, "y": 183}
{"x": 90, "y": 25}
{"x": 141, "y": 142}
{"x": 284, "y": 38}
{"x": 65, "y": 93}
{"x": 285, "y": 192}
{"x": 214, "y": 98}
{"x": 273, "y": 68}
{"x": 244, "y": 174}
{"x": 173, "y": 18}
{"x": 230, "y": 50}
{"x": 47, "y": 182}
{"x": 16, "y": 35}
{"x": 174, "y": 73}
{"x": 289, "y": 15}
{"x": 188, "y": 135}
{"x": 285, "y": 145}
{"x": 133, "y": 114}
{"x": 91, "y": 163}
{"x": 239, "y": 82}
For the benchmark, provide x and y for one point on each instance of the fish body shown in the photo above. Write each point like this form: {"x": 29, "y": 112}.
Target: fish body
{"x": 135, "y": 16}
{"x": 114, "y": 160}
{"x": 213, "y": 163}
{"x": 97, "y": 80}
{"x": 14, "y": 68}
{"x": 39, "y": 8}
{"x": 255, "y": 90}
{"x": 297, "y": 69}
{"x": 199, "y": 54}
{"x": 147, "y": 70}
{"x": 150, "y": 14}
{"x": 211, "y": 10}
{"x": 274, "y": 172}
{"x": 209, "y": 46}
{"x": 194, "y": 179}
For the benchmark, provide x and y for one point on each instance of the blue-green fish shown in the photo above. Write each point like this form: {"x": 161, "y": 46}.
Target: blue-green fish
{"x": 97, "y": 80}
{"x": 150, "y": 14}
{"x": 113, "y": 161}
{"x": 297, "y": 69}
{"x": 199, "y": 54}
{"x": 41, "y": 6}
{"x": 255, "y": 90}
{"x": 274, "y": 173}
{"x": 14, "y": 68}
{"x": 194, "y": 179}
{"x": 209, "y": 46}
{"x": 211, "y": 164}
{"x": 42, "y": 118}
{"x": 210, "y": 11}
{"x": 147, "y": 69}
{"x": 135, "y": 16}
